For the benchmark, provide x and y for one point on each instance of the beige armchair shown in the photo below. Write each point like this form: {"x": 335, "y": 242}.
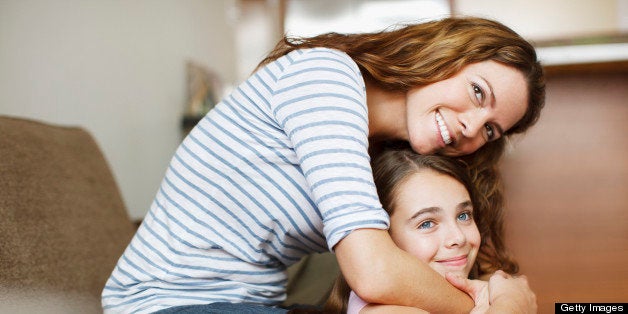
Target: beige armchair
{"x": 63, "y": 224}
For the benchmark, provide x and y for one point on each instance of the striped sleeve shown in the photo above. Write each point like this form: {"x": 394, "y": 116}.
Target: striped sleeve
{"x": 320, "y": 102}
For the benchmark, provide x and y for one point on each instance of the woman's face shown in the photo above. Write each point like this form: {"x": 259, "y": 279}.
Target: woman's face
{"x": 433, "y": 220}
{"x": 458, "y": 115}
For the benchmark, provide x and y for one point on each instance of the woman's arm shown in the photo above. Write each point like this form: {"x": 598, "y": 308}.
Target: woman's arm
{"x": 319, "y": 101}
{"x": 391, "y": 309}
{"x": 379, "y": 272}
{"x": 506, "y": 294}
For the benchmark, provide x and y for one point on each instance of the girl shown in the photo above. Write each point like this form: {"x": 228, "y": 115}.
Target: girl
{"x": 280, "y": 168}
{"x": 435, "y": 214}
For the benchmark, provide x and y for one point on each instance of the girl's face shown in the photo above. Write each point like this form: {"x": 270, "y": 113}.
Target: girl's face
{"x": 433, "y": 220}
{"x": 458, "y": 115}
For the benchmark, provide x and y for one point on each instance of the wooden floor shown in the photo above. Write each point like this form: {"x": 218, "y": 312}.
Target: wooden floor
{"x": 567, "y": 193}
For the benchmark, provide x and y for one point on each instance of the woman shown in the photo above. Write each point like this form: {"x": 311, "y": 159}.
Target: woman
{"x": 280, "y": 168}
{"x": 436, "y": 215}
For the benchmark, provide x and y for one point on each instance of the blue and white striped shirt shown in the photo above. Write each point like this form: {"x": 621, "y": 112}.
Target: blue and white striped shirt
{"x": 277, "y": 170}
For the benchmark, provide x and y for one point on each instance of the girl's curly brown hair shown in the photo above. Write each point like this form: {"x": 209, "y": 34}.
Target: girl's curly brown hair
{"x": 478, "y": 173}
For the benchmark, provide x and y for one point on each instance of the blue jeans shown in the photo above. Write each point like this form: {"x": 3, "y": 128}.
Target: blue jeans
{"x": 223, "y": 307}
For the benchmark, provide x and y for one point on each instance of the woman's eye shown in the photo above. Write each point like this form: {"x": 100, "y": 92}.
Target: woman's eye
{"x": 426, "y": 224}
{"x": 490, "y": 132}
{"x": 479, "y": 93}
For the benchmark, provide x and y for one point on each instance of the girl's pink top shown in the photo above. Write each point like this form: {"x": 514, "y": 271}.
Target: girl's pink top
{"x": 355, "y": 304}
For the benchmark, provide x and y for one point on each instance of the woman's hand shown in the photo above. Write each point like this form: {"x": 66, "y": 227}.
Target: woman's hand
{"x": 510, "y": 294}
{"x": 478, "y": 290}
{"x": 503, "y": 293}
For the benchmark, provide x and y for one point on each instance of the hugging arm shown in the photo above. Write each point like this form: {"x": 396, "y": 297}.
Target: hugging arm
{"x": 391, "y": 309}
{"x": 506, "y": 294}
{"x": 379, "y": 272}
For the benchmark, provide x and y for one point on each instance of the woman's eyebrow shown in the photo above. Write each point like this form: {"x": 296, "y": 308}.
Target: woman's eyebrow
{"x": 493, "y": 103}
{"x": 490, "y": 89}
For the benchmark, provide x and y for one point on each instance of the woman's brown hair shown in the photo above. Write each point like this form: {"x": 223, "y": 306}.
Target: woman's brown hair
{"x": 479, "y": 175}
{"x": 483, "y": 167}
{"x": 420, "y": 54}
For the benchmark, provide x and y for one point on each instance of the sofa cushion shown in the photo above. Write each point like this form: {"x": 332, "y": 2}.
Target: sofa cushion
{"x": 64, "y": 224}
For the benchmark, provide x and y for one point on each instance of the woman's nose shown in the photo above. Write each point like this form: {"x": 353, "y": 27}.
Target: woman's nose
{"x": 472, "y": 122}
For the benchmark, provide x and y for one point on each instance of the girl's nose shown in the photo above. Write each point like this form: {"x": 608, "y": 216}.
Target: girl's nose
{"x": 455, "y": 237}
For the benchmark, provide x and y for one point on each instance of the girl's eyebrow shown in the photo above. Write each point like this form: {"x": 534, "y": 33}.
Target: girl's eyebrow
{"x": 435, "y": 209}
{"x": 464, "y": 205}
{"x": 424, "y": 211}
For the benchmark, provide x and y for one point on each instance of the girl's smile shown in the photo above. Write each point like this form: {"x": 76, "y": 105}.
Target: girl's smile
{"x": 432, "y": 219}
{"x": 454, "y": 262}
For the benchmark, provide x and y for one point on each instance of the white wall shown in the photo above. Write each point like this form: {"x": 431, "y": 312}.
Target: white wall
{"x": 116, "y": 68}
{"x": 257, "y": 31}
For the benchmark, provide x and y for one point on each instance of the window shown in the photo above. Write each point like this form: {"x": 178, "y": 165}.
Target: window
{"x": 308, "y": 18}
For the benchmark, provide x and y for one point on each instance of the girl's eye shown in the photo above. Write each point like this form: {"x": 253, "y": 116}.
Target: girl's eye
{"x": 426, "y": 224}
{"x": 478, "y": 92}
{"x": 464, "y": 217}
{"x": 490, "y": 132}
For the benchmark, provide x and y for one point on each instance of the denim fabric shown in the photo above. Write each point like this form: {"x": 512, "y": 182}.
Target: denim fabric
{"x": 223, "y": 307}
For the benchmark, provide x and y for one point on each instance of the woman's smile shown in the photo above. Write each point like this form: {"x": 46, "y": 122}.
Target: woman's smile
{"x": 442, "y": 127}
{"x": 458, "y": 115}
